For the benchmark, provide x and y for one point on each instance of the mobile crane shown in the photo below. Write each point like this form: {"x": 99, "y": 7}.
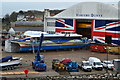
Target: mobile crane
{"x": 38, "y": 63}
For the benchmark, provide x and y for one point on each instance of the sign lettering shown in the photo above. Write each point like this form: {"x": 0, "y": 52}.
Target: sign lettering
{"x": 89, "y": 15}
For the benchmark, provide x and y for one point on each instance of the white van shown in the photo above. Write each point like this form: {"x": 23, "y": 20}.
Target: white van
{"x": 85, "y": 65}
{"x": 96, "y": 63}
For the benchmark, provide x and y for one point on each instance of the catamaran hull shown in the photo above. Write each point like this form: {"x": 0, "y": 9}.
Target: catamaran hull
{"x": 30, "y": 48}
{"x": 16, "y": 47}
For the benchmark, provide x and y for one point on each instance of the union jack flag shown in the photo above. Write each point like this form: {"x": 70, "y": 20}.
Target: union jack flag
{"x": 65, "y": 25}
{"x": 106, "y": 27}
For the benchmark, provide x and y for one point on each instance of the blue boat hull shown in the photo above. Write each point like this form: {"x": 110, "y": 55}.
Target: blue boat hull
{"x": 30, "y": 48}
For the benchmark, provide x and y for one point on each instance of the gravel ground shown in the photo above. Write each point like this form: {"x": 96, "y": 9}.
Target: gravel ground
{"x": 77, "y": 55}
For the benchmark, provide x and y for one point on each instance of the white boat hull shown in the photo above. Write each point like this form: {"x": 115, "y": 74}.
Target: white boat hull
{"x": 10, "y": 63}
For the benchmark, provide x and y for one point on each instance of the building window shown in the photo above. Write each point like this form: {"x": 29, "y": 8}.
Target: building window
{"x": 50, "y": 23}
{"x": 51, "y": 32}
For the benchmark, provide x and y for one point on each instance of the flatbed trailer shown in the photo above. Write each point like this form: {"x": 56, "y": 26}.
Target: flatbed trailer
{"x": 10, "y": 64}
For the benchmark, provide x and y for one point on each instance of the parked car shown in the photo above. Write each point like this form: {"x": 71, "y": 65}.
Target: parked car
{"x": 108, "y": 65}
{"x": 116, "y": 63}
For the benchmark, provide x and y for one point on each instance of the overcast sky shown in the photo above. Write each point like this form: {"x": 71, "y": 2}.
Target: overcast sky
{"x": 8, "y": 6}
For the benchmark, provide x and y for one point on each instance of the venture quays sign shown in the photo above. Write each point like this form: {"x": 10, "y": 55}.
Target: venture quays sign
{"x": 89, "y": 15}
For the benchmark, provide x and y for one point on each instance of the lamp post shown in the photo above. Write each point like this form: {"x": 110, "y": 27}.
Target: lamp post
{"x": 107, "y": 61}
{"x": 107, "y": 51}
{"x": 108, "y": 40}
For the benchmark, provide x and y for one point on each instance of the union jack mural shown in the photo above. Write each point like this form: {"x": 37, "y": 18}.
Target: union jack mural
{"x": 106, "y": 27}
{"x": 65, "y": 25}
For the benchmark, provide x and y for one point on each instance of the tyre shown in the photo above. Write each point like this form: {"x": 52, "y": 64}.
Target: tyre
{"x": 12, "y": 67}
{"x": 90, "y": 70}
{"x": 77, "y": 70}
{"x": 9, "y": 68}
{"x": 1, "y": 68}
{"x": 65, "y": 68}
{"x": 6, "y": 68}
{"x": 68, "y": 69}
{"x": 35, "y": 69}
{"x": 33, "y": 66}
{"x": 56, "y": 69}
{"x": 82, "y": 69}
{"x": 53, "y": 67}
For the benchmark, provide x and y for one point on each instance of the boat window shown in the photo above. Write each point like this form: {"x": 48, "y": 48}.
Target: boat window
{"x": 67, "y": 32}
{"x": 55, "y": 38}
{"x": 61, "y": 38}
{"x": 36, "y": 38}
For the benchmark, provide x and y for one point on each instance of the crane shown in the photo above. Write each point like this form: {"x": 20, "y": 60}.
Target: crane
{"x": 38, "y": 63}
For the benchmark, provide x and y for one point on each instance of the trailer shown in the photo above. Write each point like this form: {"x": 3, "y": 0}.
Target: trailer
{"x": 9, "y": 62}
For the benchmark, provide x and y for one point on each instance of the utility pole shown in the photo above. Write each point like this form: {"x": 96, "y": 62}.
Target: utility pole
{"x": 108, "y": 40}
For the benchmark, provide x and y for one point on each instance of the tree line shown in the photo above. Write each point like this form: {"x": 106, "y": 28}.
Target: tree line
{"x": 7, "y": 19}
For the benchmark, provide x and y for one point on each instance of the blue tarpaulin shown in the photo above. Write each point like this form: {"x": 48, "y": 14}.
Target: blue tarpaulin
{"x": 6, "y": 59}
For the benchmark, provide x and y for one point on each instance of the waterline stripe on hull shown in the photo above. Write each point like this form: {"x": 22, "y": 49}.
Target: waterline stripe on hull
{"x": 53, "y": 47}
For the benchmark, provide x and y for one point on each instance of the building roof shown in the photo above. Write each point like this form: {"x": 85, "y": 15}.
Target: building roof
{"x": 23, "y": 29}
{"x": 90, "y": 10}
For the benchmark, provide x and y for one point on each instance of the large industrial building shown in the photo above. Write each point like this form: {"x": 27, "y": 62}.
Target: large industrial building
{"x": 94, "y": 20}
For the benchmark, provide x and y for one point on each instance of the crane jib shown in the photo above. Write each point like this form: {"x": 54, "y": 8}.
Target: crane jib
{"x": 39, "y": 47}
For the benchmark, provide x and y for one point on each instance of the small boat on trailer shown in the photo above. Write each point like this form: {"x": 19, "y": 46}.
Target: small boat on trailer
{"x": 51, "y": 41}
{"x": 9, "y": 62}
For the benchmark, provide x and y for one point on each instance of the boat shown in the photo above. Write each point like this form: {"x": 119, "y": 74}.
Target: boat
{"x": 51, "y": 41}
{"x": 9, "y": 62}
